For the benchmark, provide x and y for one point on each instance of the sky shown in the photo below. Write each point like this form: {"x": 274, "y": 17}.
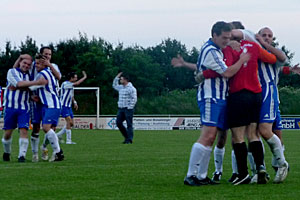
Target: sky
{"x": 145, "y": 23}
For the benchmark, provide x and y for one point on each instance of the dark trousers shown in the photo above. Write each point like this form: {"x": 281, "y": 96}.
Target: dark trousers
{"x": 125, "y": 114}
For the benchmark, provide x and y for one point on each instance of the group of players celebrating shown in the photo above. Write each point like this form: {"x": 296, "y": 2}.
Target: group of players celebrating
{"x": 32, "y": 94}
{"x": 237, "y": 72}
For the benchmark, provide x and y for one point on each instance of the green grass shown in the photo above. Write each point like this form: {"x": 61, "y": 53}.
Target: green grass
{"x": 100, "y": 167}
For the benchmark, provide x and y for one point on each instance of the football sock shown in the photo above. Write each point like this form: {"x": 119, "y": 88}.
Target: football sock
{"x": 241, "y": 152}
{"x": 195, "y": 157}
{"x": 233, "y": 163}
{"x": 256, "y": 148}
{"x": 52, "y": 137}
{"x": 277, "y": 150}
{"x": 219, "y": 156}
{"x": 23, "y": 146}
{"x": 7, "y": 145}
{"x": 204, "y": 161}
{"x": 62, "y": 131}
{"x": 69, "y": 135}
{"x": 35, "y": 140}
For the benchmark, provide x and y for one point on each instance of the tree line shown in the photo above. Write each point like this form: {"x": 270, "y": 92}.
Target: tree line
{"x": 161, "y": 88}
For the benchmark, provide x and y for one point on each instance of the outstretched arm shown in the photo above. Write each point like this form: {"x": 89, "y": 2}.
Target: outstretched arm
{"x": 180, "y": 62}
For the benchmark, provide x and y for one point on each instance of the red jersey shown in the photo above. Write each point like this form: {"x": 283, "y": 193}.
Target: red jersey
{"x": 247, "y": 76}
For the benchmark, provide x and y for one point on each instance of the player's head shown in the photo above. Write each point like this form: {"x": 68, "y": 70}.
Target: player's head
{"x": 124, "y": 79}
{"x": 46, "y": 52}
{"x": 40, "y": 62}
{"x": 221, "y": 33}
{"x": 25, "y": 62}
{"x": 237, "y": 25}
{"x": 72, "y": 77}
{"x": 267, "y": 34}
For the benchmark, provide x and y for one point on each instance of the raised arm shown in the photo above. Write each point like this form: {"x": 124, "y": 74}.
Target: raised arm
{"x": 80, "y": 80}
{"x": 116, "y": 84}
{"x": 20, "y": 58}
{"x": 277, "y": 52}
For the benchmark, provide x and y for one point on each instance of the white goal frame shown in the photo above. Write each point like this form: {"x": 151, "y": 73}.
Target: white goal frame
{"x": 98, "y": 102}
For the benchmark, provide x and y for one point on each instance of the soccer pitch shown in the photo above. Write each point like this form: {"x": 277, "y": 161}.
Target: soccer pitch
{"x": 153, "y": 167}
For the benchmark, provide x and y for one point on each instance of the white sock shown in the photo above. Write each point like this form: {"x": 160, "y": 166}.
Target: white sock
{"x": 62, "y": 131}
{"x": 219, "y": 156}
{"x": 23, "y": 146}
{"x": 233, "y": 163}
{"x": 35, "y": 144}
{"x": 274, "y": 161}
{"x": 204, "y": 162}
{"x": 195, "y": 157}
{"x": 252, "y": 163}
{"x": 69, "y": 135}
{"x": 7, "y": 145}
{"x": 276, "y": 148}
{"x": 52, "y": 137}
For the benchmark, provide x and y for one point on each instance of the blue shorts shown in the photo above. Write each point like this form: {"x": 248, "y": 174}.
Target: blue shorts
{"x": 66, "y": 112}
{"x": 36, "y": 113}
{"x": 213, "y": 113}
{"x": 277, "y": 125}
{"x": 270, "y": 103}
{"x": 50, "y": 116}
{"x": 14, "y": 118}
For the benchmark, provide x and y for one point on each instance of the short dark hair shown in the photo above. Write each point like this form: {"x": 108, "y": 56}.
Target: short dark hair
{"x": 70, "y": 75}
{"x": 220, "y": 27}
{"x": 39, "y": 56}
{"x": 125, "y": 76}
{"x": 43, "y": 48}
{"x": 237, "y": 25}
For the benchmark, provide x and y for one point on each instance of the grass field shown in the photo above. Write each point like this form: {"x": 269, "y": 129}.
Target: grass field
{"x": 100, "y": 167}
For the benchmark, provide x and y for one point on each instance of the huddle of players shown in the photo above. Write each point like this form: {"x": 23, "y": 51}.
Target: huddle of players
{"x": 247, "y": 103}
{"x": 32, "y": 92}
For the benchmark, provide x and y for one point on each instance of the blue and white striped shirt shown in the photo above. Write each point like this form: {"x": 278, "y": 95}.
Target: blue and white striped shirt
{"x": 127, "y": 94}
{"x": 67, "y": 94}
{"x": 17, "y": 99}
{"x": 48, "y": 93}
{"x": 211, "y": 57}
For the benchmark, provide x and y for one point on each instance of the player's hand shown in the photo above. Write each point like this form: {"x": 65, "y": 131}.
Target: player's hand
{"x": 35, "y": 98}
{"x": 76, "y": 106}
{"x": 296, "y": 69}
{"x": 260, "y": 39}
{"x": 199, "y": 78}
{"x": 25, "y": 56}
{"x": 119, "y": 74}
{"x": 84, "y": 74}
{"x": 177, "y": 61}
{"x": 235, "y": 45}
{"x": 245, "y": 57}
{"x": 41, "y": 81}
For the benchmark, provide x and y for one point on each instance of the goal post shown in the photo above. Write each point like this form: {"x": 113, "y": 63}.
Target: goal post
{"x": 97, "y": 93}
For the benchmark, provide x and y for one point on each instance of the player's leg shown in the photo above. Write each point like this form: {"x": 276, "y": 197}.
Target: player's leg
{"x": 50, "y": 120}
{"x": 10, "y": 123}
{"x": 200, "y": 155}
{"x": 267, "y": 117}
{"x": 219, "y": 152}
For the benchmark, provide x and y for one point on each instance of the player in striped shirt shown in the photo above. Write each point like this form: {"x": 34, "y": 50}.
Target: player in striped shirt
{"x": 16, "y": 106}
{"x": 36, "y": 107}
{"x": 66, "y": 99}
{"x": 51, "y": 106}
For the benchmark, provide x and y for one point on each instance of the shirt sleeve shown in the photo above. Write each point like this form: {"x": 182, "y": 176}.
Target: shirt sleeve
{"x": 249, "y": 36}
{"x": 265, "y": 56}
{"x": 116, "y": 84}
{"x": 214, "y": 61}
{"x": 56, "y": 68}
{"x": 13, "y": 77}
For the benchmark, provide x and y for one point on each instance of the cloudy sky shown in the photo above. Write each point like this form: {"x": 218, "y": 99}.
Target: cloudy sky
{"x": 144, "y": 22}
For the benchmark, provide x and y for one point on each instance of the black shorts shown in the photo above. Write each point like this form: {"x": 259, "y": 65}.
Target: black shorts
{"x": 243, "y": 108}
